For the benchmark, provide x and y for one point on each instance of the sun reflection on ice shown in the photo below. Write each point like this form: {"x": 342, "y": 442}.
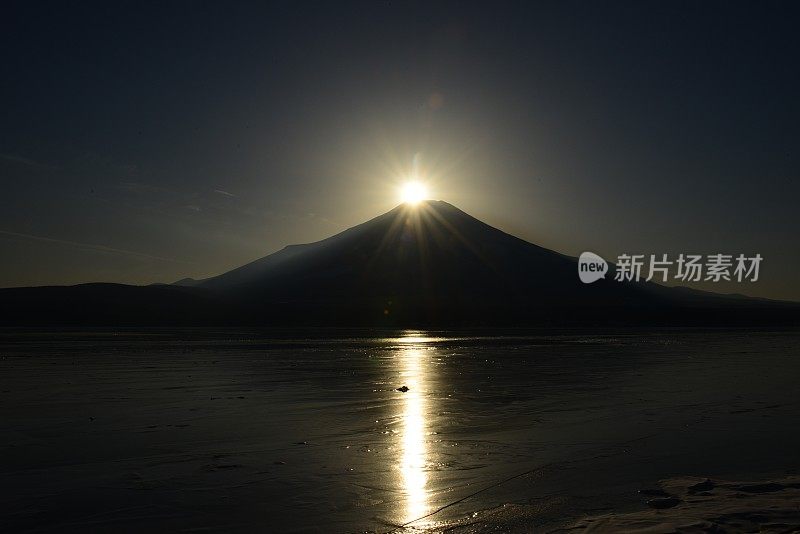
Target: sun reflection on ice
{"x": 414, "y": 454}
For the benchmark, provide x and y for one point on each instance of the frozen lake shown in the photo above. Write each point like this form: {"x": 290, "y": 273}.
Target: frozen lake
{"x": 278, "y": 431}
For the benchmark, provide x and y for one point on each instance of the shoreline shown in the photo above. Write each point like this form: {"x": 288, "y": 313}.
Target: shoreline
{"x": 676, "y": 505}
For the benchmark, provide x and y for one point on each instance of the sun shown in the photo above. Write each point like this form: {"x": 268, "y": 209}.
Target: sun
{"x": 414, "y": 192}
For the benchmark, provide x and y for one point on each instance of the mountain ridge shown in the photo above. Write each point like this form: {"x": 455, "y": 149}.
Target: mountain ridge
{"x": 429, "y": 264}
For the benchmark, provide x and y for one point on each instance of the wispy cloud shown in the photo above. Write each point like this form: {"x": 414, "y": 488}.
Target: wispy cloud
{"x": 221, "y": 192}
{"x": 90, "y": 246}
{"x": 137, "y": 187}
{"x": 28, "y": 162}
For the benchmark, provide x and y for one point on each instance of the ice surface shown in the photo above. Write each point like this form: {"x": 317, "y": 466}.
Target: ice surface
{"x": 289, "y": 431}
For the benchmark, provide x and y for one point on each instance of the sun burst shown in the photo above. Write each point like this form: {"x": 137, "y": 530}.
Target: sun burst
{"x": 414, "y": 192}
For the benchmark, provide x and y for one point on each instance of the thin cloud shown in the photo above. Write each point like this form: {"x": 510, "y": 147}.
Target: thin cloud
{"x": 137, "y": 187}
{"x": 89, "y": 246}
{"x": 29, "y": 162}
{"x": 221, "y": 192}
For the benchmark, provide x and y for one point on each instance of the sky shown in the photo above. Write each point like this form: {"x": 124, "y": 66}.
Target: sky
{"x": 146, "y": 142}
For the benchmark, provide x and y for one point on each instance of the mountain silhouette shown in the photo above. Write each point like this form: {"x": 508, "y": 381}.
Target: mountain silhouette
{"x": 423, "y": 256}
{"x": 421, "y": 265}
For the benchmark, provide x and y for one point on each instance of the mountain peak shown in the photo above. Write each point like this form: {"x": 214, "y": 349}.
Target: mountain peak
{"x": 427, "y": 204}
{"x": 426, "y": 251}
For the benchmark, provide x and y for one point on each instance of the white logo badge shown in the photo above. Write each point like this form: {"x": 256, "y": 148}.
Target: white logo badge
{"x": 591, "y": 267}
